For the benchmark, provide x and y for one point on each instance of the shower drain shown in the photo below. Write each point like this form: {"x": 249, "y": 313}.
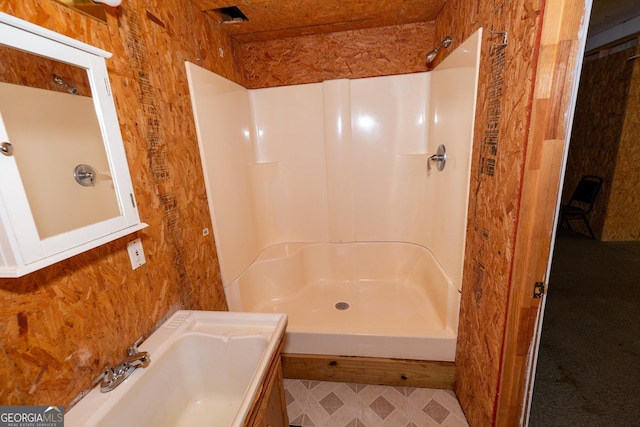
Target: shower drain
{"x": 342, "y": 305}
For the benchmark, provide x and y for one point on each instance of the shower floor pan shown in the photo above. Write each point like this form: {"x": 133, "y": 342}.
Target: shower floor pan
{"x": 354, "y": 299}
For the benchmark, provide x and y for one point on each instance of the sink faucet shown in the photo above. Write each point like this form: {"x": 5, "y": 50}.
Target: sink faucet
{"x": 111, "y": 377}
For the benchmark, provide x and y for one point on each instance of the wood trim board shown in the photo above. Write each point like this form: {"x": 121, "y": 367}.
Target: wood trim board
{"x": 370, "y": 370}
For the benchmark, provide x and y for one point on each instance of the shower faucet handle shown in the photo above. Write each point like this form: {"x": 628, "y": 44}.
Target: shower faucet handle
{"x": 440, "y": 158}
{"x": 6, "y": 148}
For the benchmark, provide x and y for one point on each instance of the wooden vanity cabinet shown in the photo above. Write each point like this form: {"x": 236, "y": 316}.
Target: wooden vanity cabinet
{"x": 269, "y": 407}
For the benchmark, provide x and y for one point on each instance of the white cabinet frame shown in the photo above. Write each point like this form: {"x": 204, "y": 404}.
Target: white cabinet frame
{"x": 21, "y": 248}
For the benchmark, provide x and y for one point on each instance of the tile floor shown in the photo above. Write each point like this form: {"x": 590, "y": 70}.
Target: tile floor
{"x": 330, "y": 404}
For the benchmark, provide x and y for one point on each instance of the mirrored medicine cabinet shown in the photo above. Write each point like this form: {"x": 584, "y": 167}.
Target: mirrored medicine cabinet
{"x": 65, "y": 186}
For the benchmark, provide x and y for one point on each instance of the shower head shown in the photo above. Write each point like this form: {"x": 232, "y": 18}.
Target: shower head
{"x": 431, "y": 56}
{"x": 71, "y": 89}
{"x": 444, "y": 43}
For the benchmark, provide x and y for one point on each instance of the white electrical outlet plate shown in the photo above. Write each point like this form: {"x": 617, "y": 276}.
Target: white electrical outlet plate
{"x": 136, "y": 253}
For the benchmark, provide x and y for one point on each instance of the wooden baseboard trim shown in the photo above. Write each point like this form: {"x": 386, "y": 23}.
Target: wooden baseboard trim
{"x": 370, "y": 370}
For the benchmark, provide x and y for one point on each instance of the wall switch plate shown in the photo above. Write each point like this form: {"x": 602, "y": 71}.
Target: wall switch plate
{"x": 136, "y": 253}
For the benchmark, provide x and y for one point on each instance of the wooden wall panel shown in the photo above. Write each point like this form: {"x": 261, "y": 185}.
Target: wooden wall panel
{"x": 349, "y": 54}
{"x": 370, "y": 370}
{"x": 25, "y": 69}
{"x": 623, "y": 207}
{"x": 597, "y": 129}
{"x": 501, "y": 126}
{"x": 62, "y": 324}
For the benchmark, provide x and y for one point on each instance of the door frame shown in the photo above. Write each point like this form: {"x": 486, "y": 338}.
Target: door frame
{"x": 557, "y": 75}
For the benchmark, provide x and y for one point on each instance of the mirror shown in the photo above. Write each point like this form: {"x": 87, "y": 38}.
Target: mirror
{"x": 48, "y": 113}
{"x": 64, "y": 180}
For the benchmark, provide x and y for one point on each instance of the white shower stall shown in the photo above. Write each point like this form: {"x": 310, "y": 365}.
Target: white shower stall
{"x": 323, "y": 205}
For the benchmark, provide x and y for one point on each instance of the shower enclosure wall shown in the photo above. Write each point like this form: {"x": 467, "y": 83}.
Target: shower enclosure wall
{"x": 321, "y": 192}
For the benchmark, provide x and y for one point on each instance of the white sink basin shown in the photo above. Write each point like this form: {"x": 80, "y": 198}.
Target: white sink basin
{"x": 206, "y": 368}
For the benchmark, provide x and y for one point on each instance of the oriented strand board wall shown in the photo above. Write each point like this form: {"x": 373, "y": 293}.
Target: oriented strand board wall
{"x": 371, "y": 52}
{"x": 595, "y": 140}
{"x": 623, "y": 208}
{"x": 61, "y": 325}
{"x": 501, "y": 128}
{"x": 26, "y": 69}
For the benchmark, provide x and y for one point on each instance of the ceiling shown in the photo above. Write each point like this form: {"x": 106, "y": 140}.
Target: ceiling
{"x": 606, "y": 14}
{"x": 276, "y": 19}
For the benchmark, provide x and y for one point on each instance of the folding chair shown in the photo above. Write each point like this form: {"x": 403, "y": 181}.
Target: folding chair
{"x": 582, "y": 202}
